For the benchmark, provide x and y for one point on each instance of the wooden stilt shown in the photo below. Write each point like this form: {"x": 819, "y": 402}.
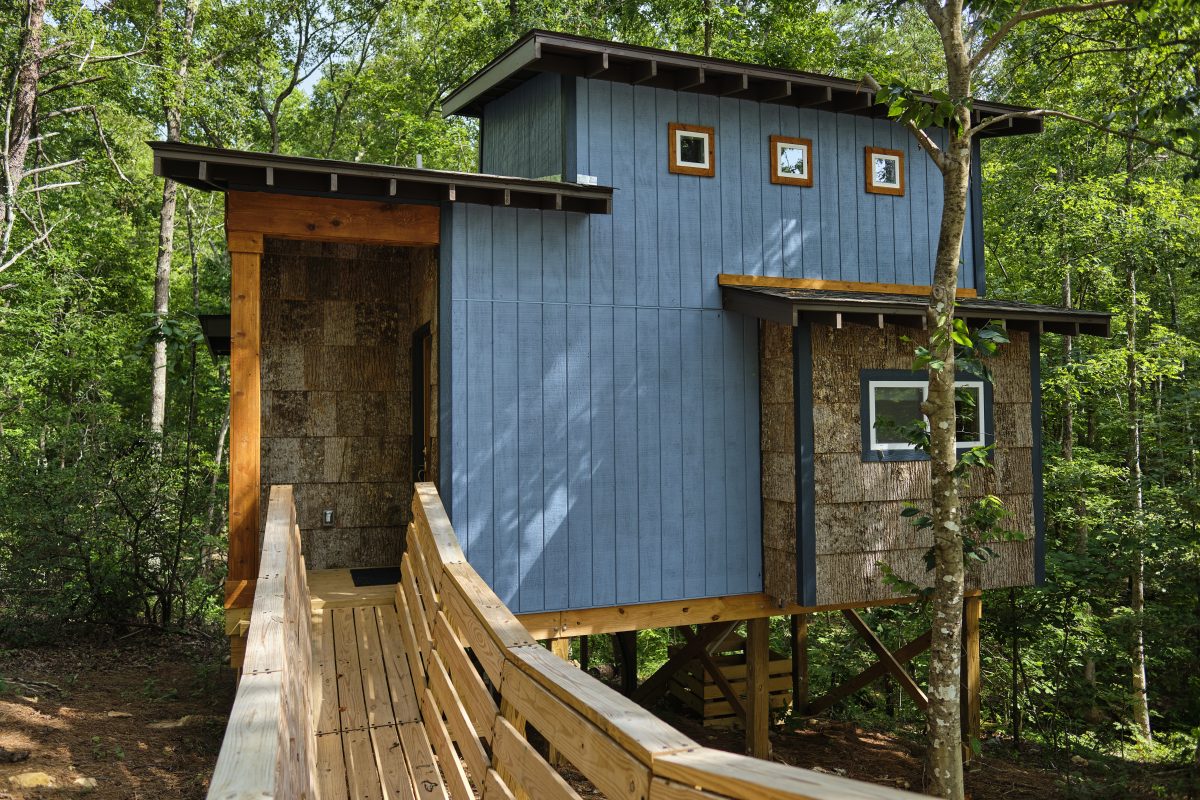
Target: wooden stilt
{"x": 971, "y": 730}
{"x": 799, "y": 663}
{"x": 758, "y": 708}
{"x": 627, "y": 652}
{"x": 585, "y": 652}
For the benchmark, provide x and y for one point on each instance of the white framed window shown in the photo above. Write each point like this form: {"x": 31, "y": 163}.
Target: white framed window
{"x": 885, "y": 171}
{"x": 791, "y": 161}
{"x": 891, "y": 403}
{"x": 691, "y": 149}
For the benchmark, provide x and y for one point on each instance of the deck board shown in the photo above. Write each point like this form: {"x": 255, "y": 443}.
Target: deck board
{"x": 371, "y": 742}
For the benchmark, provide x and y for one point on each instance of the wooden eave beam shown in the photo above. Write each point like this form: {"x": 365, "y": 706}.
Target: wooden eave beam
{"x": 645, "y": 72}
{"x": 686, "y": 79}
{"x": 812, "y": 95}
{"x": 774, "y": 91}
{"x": 287, "y": 216}
{"x": 732, "y": 85}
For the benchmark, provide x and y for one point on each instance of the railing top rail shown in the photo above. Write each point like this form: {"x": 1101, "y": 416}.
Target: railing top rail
{"x": 676, "y": 765}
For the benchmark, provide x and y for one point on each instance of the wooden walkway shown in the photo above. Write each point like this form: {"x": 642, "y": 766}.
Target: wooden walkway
{"x": 371, "y": 742}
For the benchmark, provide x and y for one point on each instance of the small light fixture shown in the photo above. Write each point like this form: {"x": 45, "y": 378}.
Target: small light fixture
{"x": 327, "y": 517}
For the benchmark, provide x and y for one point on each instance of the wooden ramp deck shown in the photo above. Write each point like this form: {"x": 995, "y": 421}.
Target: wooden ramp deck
{"x": 371, "y": 741}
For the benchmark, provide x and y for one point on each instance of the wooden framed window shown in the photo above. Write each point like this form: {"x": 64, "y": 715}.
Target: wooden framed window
{"x": 891, "y": 401}
{"x": 791, "y": 161}
{"x": 692, "y": 150}
{"x": 885, "y": 171}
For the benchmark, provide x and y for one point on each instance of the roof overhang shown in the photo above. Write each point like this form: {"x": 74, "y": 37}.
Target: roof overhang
{"x": 797, "y": 306}
{"x": 218, "y": 169}
{"x": 545, "y": 51}
{"x": 216, "y": 333}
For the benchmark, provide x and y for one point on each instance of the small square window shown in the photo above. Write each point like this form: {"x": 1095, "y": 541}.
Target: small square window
{"x": 885, "y": 171}
{"x": 892, "y": 402}
{"x": 791, "y": 161}
{"x": 691, "y": 150}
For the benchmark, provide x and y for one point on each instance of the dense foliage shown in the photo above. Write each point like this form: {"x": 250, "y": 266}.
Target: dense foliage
{"x": 103, "y": 523}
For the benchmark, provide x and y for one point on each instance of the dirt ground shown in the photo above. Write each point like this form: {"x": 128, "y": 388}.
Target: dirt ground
{"x": 143, "y": 718}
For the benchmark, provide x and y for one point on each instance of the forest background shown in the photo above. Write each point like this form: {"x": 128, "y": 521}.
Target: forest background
{"x": 114, "y": 417}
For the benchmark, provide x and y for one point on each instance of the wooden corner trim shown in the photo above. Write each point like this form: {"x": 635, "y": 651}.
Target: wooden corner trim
{"x": 726, "y": 279}
{"x": 244, "y": 242}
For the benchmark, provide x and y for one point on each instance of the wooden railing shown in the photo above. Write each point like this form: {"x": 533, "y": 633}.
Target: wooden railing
{"x": 270, "y": 745}
{"x": 466, "y": 649}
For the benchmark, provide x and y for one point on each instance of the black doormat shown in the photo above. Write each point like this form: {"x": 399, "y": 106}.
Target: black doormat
{"x": 375, "y": 576}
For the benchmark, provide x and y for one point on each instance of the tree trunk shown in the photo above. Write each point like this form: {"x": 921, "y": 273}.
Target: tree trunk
{"x": 173, "y": 98}
{"x": 22, "y": 113}
{"x": 945, "y": 660}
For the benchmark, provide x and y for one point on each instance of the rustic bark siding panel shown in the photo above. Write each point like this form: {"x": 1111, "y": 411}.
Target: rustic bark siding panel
{"x": 778, "y": 443}
{"x": 336, "y": 405}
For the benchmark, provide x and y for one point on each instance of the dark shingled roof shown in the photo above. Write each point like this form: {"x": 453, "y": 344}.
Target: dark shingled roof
{"x": 792, "y": 306}
{"x": 566, "y": 54}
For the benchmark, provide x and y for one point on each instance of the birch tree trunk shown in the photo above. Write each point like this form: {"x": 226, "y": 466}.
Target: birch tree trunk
{"x": 21, "y": 115}
{"x": 173, "y": 97}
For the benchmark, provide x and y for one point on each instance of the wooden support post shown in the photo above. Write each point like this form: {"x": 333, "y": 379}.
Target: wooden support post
{"x": 627, "y": 652}
{"x": 585, "y": 652}
{"x": 245, "y": 250}
{"x": 758, "y": 669}
{"x": 971, "y": 730}
{"x": 799, "y": 663}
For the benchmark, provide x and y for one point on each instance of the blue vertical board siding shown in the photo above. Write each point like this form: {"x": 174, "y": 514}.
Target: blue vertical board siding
{"x": 729, "y": 172}
{"x": 670, "y": 423}
{"x": 529, "y": 255}
{"x": 667, "y": 111}
{"x": 627, "y": 483}
{"x": 771, "y": 205}
{"x": 649, "y": 456}
{"x": 693, "y": 469}
{"x": 646, "y": 163}
{"x": 850, "y": 177}
{"x": 688, "y": 219}
{"x": 525, "y": 130}
{"x": 716, "y": 464}
{"x": 530, "y": 459}
{"x": 554, "y": 257}
{"x": 556, "y": 458}
{"x": 477, "y": 487}
{"x": 868, "y": 241}
{"x": 602, "y": 405}
{"x": 711, "y": 215}
{"x": 505, "y": 533}
{"x": 827, "y": 182}
{"x": 580, "y": 475}
{"x": 621, "y": 136}
{"x": 605, "y": 439}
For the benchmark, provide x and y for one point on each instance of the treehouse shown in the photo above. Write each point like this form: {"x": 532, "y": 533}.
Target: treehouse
{"x": 639, "y": 359}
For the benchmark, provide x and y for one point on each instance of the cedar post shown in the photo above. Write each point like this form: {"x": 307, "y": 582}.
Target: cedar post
{"x": 245, "y": 250}
{"x": 758, "y": 709}
{"x": 799, "y": 663}
{"x": 972, "y": 612}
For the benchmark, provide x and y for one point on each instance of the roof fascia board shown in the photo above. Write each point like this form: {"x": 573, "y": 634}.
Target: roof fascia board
{"x": 518, "y": 57}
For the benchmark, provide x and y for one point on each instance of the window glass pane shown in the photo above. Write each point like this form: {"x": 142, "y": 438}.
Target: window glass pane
{"x": 792, "y": 161}
{"x": 886, "y": 171}
{"x": 968, "y": 414}
{"x": 692, "y": 149}
{"x": 896, "y": 405}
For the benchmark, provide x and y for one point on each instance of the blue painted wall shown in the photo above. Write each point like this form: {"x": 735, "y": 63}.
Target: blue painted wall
{"x": 603, "y": 416}
{"x": 523, "y": 131}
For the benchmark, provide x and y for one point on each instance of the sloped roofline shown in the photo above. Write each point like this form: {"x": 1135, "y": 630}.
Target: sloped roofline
{"x": 541, "y": 51}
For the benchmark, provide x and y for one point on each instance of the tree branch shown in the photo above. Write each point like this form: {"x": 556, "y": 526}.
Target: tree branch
{"x": 993, "y": 41}
{"x": 1042, "y": 113}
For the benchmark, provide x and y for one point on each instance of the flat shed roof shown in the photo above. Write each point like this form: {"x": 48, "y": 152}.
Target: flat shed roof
{"x": 218, "y": 169}
{"x": 546, "y": 51}
{"x": 793, "y": 306}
